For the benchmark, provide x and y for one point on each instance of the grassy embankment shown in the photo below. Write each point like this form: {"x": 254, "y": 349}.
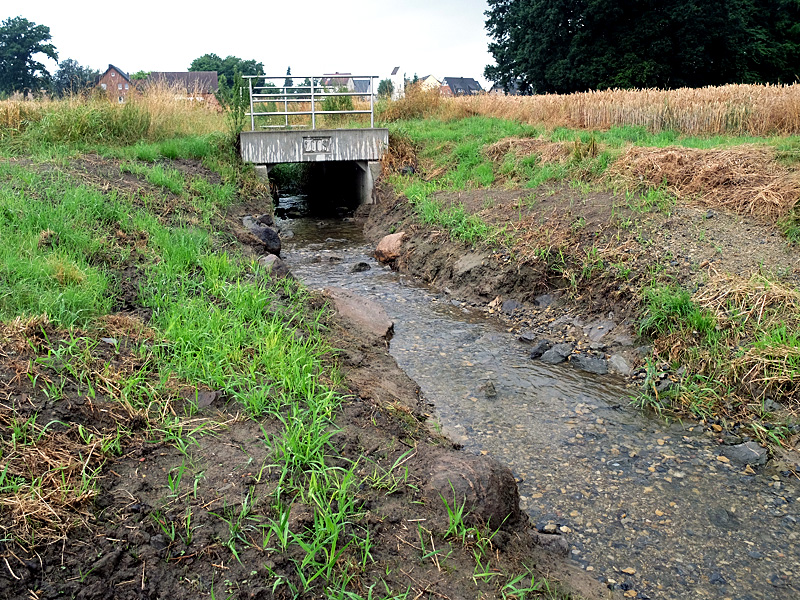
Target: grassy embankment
{"x": 643, "y": 154}
{"x": 85, "y": 383}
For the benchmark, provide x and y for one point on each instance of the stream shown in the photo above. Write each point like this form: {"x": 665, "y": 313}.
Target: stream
{"x": 646, "y": 506}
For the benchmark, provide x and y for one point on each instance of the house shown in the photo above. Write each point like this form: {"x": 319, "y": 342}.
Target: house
{"x": 460, "y": 86}
{"x": 512, "y": 89}
{"x": 115, "y": 83}
{"x": 429, "y": 82}
{"x": 200, "y": 86}
{"x": 338, "y": 80}
{"x": 398, "y": 84}
{"x": 362, "y": 86}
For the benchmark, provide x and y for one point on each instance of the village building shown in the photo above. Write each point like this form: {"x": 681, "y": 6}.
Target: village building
{"x": 115, "y": 83}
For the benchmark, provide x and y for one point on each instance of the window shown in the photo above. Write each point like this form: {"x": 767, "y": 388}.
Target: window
{"x": 113, "y": 74}
{"x": 126, "y": 86}
{"x": 103, "y": 86}
{"x": 119, "y": 86}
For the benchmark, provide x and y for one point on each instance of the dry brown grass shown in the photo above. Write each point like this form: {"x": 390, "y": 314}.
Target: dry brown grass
{"x": 745, "y": 179}
{"x": 548, "y": 152}
{"x": 731, "y": 109}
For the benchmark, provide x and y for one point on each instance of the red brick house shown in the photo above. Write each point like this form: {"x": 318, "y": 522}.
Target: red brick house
{"x": 116, "y": 84}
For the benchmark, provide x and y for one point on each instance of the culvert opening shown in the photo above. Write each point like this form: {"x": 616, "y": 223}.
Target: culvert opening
{"x": 328, "y": 189}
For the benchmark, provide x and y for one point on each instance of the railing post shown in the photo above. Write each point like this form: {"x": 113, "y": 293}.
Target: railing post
{"x": 313, "y": 114}
{"x": 371, "y": 103}
{"x": 286, "y": 106}
{"x": 252, "y": 117}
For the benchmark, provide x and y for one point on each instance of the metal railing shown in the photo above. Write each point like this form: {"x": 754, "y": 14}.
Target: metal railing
{"x": 318, "y": 91}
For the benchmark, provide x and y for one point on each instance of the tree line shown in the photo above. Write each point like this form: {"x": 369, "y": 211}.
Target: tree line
{"x": 563, "y": 46}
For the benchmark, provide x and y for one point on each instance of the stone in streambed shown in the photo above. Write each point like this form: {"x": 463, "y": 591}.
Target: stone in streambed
{"x": 275, "y": 266}
{"x": 360, "y": 267}
{"x": 557, "y": 354}
{"x": 540, "y": 347}
{"x": 749, "y": 453}
{"x": 363, "y": 313}
{"x": 590, "y": 364}
{"x": 618, "y": 364}
{"x": 389, "y": 247}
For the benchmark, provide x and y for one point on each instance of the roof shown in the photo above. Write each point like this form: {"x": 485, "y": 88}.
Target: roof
{"x": 337, "y": 78}
{"x": 462, "y": 86}
{"x": 361, "y": 86}
{"x": 200, "y": 81}
{"x": 395, "y": 70}
{"x": 512, "y": 89}
{"x": 118, "y": 70}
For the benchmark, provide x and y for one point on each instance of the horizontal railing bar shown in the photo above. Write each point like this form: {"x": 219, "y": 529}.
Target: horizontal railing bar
{"x": 312, "y": 77}
{"x": 308, "y": 112}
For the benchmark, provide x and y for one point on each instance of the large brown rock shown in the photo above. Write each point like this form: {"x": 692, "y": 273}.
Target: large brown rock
{"x": 389, "y": 247}
{"x": 365, "y": 314}
{"x": 487, "y": 489}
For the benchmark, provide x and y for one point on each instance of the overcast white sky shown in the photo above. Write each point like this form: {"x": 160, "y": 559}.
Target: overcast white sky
{"x": 367, "y": 37}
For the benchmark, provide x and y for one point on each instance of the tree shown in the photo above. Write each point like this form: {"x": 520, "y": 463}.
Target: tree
{"x": 72, "y": 78}
{"x": 20, "y": 41}
{"x": 575, "y": 45}
{"x": 385, "y": 88}
{"x": 140, "y": 75}
{"x": 288, "y": 83}
{"x": 227, "y": 66}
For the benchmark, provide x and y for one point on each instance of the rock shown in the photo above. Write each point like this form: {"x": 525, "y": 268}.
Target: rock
{"x": 266, "y": 235}
{"x": 266, "y": 219}
{"x": 527, "y": 337}
{"x": 360, "y": 267}
{"x": 599, "y": 329}
{"x": 204, "y": 399}
{"x": 389, "y": 247}
{"x": 363, "y": 313}
{"x": 540, "y": 348}
{"x": 644, "y": 351}
{"x": 489, "y": 390}
{"x": 556, "y": 544}
{"x": 550, "y": 528}
{"x": 486, "y": 488}
{"x": 590, "y": 364}
{"x": 108, "y": 563}
{"x": 618, "y": 364}
{"x": 274, "y": 265}
{"x": 749, "y": 453}
{"x": 544, "y": 300}
{"x": 557, "y": 354}
{"x": 509, "y": 306}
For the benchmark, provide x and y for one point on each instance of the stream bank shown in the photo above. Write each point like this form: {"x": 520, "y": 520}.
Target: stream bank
{"x": 650, "y": 509}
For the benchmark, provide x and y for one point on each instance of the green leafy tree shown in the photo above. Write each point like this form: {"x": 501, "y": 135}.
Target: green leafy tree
{"x": 72, "y": 78}
{"x": 385, "y": 88}
{"x": 140, "y": 75}
{"x": 575, "y": 45}
{"x": 227, "y": 66}
{"x": 20, "y": 41}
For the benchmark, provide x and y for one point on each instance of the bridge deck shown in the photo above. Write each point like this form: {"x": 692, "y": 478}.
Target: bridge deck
{"x": 275, "y": 147}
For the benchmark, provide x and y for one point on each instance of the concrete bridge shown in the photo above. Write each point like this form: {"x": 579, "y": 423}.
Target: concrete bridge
{"x": 291, "y": 136}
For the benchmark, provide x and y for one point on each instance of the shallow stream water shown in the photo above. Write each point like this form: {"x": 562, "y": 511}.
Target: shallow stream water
{"x": 645, "y": 506}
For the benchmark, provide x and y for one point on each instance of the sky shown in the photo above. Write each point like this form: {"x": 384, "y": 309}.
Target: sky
{"x": 444, "y": 38}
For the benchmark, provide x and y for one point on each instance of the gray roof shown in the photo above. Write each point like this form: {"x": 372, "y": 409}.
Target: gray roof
{"x": 118, "y": 70}
{"x": 361, "y": 86}
{"x": 462, "y": 86}
{"x": 200, "y": 81}
{"x": 395, "y": 70}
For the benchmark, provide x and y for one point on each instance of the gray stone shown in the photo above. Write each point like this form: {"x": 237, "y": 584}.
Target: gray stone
{"x": 540, "y": 348}
{"x": 545, "y": 300}
{"x": 360, "y": 267}
{"x": 276, "y": 267}
{"x": 489, "y": 390}
{"x": 363, "y": 313}
{"x": 266, "y": 219}
{"x": 557, "y": 354}
{"x": 749, "y": 453}
{"x": 556, "y": 544}
{"x": 266, "y": 235}
{"x": 509, "y": 306}
{"x": 486, "y": 488}
{"x": 618, "y": 364}
{"x": 599, "y": 329}
{"x": 590, "y": 364}
{"x": 527, "y": 337}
